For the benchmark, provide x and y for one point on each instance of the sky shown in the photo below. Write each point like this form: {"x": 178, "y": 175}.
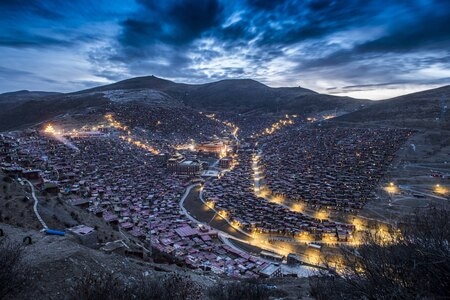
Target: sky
{"x": 365, "y": 49}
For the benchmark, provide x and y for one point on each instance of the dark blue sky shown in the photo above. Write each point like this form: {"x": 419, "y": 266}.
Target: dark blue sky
{"x": 371, "y": 49}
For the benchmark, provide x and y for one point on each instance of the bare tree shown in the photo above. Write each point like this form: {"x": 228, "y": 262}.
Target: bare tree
{"x": 102, "y": 285}
{"x": 105, "y": 285}
{"x": 12, "y": 268}
{"x": 169, "y": 287}
{"x": 411, "y": 262}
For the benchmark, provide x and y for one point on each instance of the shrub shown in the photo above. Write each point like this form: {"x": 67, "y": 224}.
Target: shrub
{"x": 239, "y": 290}
{"x": 107, "y": 286}
{"x": 102, "y": 285}
{"x": 12, "y": 269}
{"x": 414, "y": 263}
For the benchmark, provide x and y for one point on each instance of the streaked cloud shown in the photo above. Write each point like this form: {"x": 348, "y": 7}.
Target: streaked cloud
{"x": 371, "y": 49}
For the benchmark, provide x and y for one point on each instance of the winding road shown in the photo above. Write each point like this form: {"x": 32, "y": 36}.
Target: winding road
{"x": 36, "y": 202}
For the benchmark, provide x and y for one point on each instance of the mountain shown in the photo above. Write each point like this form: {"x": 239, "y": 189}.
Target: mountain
{"x": 145, "y": 82}
{"x": 24, "y": 108}
{"x": 422, "y": 109}
{"x": 238, "y": 95}
{"x": 24, "y": 95}
{"x": 23, "y": 113}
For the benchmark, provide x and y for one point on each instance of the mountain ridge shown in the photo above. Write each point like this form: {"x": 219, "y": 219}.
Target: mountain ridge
{"x": 230, "y": 95}
{"x": 424, "y": 108}
{"x": 235, "y": 95}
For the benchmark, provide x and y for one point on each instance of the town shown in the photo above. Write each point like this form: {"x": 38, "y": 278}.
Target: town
{"x": 274, "y": 183}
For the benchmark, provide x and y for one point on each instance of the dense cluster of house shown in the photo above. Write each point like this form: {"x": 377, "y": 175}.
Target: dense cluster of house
{"x": 167, "y": 124}
{"x": 233, "y": 196}
{"x": 127, "y": 187}
{"x": 335, "y": 168}
{"x": 133, "y": 177}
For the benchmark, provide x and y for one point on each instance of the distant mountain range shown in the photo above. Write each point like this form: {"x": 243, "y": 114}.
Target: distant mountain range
{"x": 24, "y": 108}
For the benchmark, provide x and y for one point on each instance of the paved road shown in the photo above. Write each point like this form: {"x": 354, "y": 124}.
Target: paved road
{"x": 195, "y": 210}
{"x": 191, "y": 199}
{"x": 36, "y": 202}
{"x": 183, "y": 198}
{"x": 405, "y": 188}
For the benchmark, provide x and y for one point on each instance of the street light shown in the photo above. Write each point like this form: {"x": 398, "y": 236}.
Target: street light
{"x": 391, "y": 189}
{"x": 442, "y": 190}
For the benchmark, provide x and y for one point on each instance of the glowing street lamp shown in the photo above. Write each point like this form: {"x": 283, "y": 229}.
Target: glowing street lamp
{"x": 442, "y": 190}
{"x": 210, "y": 204}
{"x": 321, "y": 215}
{"x": 391, "y": 189}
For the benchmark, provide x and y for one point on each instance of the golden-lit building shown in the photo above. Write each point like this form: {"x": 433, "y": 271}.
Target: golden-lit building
{"x": 216, "y": 147}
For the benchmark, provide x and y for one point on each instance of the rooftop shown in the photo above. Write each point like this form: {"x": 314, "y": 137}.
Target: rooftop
{"x": 82, "y": 229}
{"x": 269, "y": 270}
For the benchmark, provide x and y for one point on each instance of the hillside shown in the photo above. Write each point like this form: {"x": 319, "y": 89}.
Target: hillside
{"x": 17, "y": 115}
{"x": 16, "y": 208}
{"x": 56, "y": 265}
{"x": 24, "y": 108}
{"x": 239, "y": 95}
{"x": 428, "y": 108}
{"x": 144, "y": 82}
{"x": 59, "y": 267}
{"x": 24, "y": 95}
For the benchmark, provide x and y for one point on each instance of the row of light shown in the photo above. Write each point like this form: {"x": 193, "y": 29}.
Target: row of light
{"x": 324, "y": 117}
{"x": 143, "y": 145}
{"x": 139, "y": 144}
{"x": 265, "y": 192}
{"x": 114, "y": 123}
{"x": 277, "y": 126}
{"x": 232, "y": 126}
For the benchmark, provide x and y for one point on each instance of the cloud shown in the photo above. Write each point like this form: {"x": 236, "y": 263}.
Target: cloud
{"x": 19, "y": 39}
{"x": 170, "y": 22}
{"x": 13, "y": 72}
{"x": 325, "y": 45}
{"x": 30, "y": 8}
